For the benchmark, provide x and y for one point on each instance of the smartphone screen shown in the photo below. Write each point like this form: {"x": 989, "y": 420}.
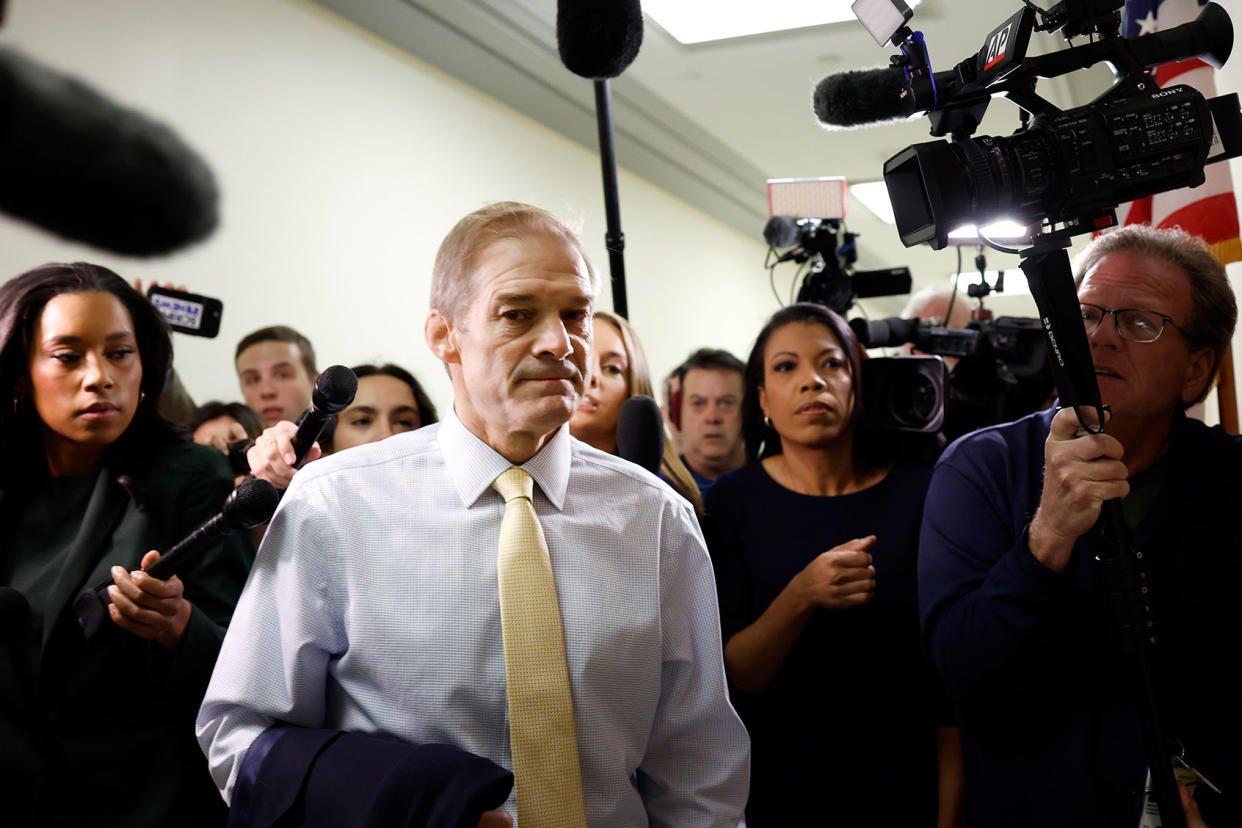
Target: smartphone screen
{"x": 188, "y": 313}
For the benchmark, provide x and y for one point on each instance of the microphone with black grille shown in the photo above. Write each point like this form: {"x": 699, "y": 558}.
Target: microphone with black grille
{"x": 247, "y": 506}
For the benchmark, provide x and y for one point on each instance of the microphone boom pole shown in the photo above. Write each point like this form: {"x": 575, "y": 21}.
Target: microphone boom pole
{"x": 614, "y": 239}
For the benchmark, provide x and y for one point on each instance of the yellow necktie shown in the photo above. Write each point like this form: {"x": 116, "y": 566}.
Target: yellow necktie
{"x": 541, "y": 709}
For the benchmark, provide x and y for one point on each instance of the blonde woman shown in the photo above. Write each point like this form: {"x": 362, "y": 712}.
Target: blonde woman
{"x": 619, "y": 371}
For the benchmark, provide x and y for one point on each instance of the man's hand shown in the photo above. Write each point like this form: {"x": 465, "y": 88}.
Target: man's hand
{"x": 272, "y": 455}
{"x": 495, "y": 819}
{"x": 148, "y": 607}
{"x": 1080, "y": 473}
{"x": 841, "y": 577}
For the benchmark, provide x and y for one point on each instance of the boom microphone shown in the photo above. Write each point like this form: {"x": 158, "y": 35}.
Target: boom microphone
{"x": 89, "y": 170}
{"x": 598, "y": 39}
{"x": 861, "y": 97}
{"x": 640, "y": 432}
{"x": 247, "y": 506}
{"x": 334, "y": 391}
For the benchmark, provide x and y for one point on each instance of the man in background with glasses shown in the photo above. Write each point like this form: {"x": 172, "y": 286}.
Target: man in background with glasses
{"x": 1013, "y": 618}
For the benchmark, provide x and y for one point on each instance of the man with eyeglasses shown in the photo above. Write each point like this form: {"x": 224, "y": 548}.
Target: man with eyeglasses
{"x": 1013, "y": 618}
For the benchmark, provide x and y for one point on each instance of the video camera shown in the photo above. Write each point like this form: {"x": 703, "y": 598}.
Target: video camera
{"x": 1002, "y": 371}
{"x": 1068, "y": 169}
{"x": 807, "y": 222}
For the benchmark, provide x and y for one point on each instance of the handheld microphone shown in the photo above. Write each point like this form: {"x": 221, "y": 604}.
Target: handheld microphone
{"x": 598, "y": 39}
{"x": 334, "y": 391}
{"x": 862, "y": 97}
{"x": 89, "y": 170}
{"x": 640, "y": 432}
{"x": 14, "y": 612}
{"x": 247, "y": 506}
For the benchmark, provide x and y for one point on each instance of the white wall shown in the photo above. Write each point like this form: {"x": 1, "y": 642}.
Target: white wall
{"x": 342, "y": 163}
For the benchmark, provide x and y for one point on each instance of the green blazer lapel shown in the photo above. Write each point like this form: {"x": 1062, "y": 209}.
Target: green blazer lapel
{"x": 108, "y": 506}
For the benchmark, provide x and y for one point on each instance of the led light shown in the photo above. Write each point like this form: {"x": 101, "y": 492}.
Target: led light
{"x": 998, "y": 231}
{"x": 874, "y": 196}
{"x": 692, "y": 21}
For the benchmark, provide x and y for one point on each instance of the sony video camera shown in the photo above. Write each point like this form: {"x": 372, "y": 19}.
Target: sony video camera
{"x": 1068, "y": 169}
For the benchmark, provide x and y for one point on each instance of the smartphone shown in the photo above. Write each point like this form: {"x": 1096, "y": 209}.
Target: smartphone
{"x": 188, "y": 313}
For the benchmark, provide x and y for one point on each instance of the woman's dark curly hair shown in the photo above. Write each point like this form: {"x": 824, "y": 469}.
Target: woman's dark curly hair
{"x": 22, "y": 300}
{"x": 761, "y": 439}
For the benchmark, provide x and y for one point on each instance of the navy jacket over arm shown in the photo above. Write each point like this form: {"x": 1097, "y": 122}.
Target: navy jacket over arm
{"x": 1050, "y": 732}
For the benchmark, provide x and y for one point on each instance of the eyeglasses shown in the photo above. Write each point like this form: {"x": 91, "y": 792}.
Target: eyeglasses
{"x": 1132, "y": 324}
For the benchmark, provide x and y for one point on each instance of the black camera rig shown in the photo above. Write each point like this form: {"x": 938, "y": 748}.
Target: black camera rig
{"x": 1062, "y": 174}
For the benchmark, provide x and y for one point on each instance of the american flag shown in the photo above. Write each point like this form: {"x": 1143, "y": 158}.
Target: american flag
{"x": 1209, "y": 210}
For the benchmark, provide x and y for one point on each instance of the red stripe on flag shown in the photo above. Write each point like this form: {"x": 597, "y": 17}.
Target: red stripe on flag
{"x": 1140, "y": 211}
{"x": 1215, "y": 218}
{"x": 1168, "y": 71}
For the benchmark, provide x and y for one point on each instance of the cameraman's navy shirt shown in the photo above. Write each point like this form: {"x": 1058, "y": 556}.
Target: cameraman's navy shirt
{"x": 1049, "y": 728}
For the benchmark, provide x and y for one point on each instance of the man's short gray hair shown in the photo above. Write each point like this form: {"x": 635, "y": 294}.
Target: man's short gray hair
{"x": 452, "y": 280}
{"x": 1213, "y": 309}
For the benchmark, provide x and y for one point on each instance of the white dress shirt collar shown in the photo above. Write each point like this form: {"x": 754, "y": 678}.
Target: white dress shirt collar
{"x": 472, "y": 464}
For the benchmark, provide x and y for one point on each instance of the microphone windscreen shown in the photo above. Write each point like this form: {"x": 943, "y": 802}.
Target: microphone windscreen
{"x": 88, "y": 170}
{"x": 640, "y": 432}
{"x": 250, "y": 504}
{"x": 598, "y": 39}
{"x": 14, "y": 612}
{"x": 334, "y": 389}
{"x": 781, "y": 231}
{"x": 860, "y": 97}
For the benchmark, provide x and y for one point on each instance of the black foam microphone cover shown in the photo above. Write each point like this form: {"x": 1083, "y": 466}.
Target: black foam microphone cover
{"x": 334, "y": 391}
{"x": 14, "y": 612}
{"x": 640, "y": 432}
{"x": 860, "y": 97}
{"x": 92, "y": 171}
{"x": 250, "y": 504}
{"x": 598, "y": 39}
{"x": 781, "y": 231}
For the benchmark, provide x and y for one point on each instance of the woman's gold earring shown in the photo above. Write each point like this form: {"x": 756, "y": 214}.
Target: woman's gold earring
{"x": 767, "y": 421}
{"x": 142, "y": 395}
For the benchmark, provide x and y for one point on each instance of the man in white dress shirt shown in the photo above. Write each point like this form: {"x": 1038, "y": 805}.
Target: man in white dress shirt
{"x": 373, "y": 608}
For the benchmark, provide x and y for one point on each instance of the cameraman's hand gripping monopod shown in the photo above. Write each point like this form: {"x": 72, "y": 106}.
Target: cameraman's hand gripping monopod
{"x": 1064, "y": 173}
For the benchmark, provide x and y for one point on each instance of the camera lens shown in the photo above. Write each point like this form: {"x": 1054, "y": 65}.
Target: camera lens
{"x": 915, "y": 399}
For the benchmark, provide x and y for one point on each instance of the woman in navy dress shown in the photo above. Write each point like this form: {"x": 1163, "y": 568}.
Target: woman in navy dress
{"x": 814, "y": 544}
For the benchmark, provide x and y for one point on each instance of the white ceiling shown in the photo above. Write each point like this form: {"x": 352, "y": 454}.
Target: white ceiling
{"x": 711, "y": 122}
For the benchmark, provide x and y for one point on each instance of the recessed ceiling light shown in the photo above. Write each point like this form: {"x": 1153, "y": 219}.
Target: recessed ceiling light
{"x": 874, "y": 196}
{"x": 693, "y": 21}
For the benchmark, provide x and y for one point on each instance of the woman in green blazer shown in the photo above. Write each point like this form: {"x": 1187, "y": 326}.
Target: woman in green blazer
{"x": 92, "y": 482}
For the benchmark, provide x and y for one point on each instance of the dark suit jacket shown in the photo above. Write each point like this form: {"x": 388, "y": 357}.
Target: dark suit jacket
{"x": 316, "y": 778}
{"x": 104, "y": 734}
